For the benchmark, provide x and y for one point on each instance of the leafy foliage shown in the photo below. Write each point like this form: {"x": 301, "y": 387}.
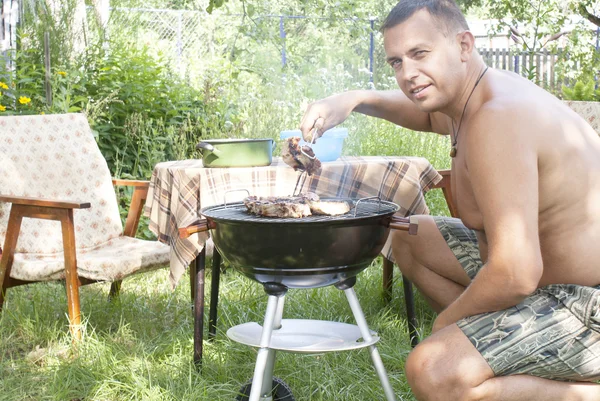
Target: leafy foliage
{"x": 582, "y": 90}
{"x": 323, "y": 7}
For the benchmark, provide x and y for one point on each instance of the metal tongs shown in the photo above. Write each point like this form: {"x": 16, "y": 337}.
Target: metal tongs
{"x": 303, "y": 173}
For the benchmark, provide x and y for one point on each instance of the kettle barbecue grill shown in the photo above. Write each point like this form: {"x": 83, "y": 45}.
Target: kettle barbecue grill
{"x": 308, "y": 252}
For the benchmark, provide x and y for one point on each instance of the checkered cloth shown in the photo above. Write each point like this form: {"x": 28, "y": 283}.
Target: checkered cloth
{"x": 180, "y": 189}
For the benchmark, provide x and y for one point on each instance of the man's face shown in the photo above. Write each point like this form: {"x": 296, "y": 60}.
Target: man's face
{"x": 427, "y": 64}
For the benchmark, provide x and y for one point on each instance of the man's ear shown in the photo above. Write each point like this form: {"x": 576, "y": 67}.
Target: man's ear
{"x": 466, "y": 40}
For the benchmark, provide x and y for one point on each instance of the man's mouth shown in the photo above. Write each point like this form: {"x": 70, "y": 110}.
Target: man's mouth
{"x": 420, "y": 92}
{"x": 419, "y": 89}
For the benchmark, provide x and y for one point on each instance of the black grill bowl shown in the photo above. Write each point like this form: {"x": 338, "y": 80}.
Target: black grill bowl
{"x": 310, "y": 252}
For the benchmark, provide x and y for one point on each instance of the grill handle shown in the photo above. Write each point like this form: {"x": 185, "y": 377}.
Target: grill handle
{"x": 233, "y": 190}
{"x": 366, "y": 199}
{"x": 198, "y": 227}
{"x": 409, "y": 224}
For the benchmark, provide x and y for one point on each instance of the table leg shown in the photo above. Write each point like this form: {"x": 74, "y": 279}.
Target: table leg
{"x": 214, "y": 295}
{"x": 199, "y": 307}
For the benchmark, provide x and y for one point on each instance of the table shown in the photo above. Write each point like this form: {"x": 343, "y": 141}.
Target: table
{"x": 179, "y": 189}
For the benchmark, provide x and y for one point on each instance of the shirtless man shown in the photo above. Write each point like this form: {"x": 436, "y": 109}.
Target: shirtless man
{"x": 515, "y": 291}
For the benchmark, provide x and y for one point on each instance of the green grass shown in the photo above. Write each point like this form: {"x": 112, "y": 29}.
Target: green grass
{"x": 140, "y": 347}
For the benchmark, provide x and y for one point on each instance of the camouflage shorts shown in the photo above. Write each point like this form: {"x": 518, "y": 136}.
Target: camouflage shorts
{"x": 554, "y": 333}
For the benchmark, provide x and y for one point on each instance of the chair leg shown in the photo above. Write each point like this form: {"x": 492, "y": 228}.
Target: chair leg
{"x": 214, "y": 295}
{"x": 387, "y": 279}
{"x": 115, "y": 290}
{"x": 71, "y": 279}
{"x": 10, "y": 242}
{"x": 199, "y": 307}
{"x": 410, "y": 311}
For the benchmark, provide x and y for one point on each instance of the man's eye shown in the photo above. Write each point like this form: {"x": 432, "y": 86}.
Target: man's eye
{"x": 420, "y": 53}
{"x": 396, "y": 64}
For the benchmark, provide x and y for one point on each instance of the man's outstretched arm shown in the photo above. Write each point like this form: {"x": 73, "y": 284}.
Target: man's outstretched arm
{"x": 390, "y": 105}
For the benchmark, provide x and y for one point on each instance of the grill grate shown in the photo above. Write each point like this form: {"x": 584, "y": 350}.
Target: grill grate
{"x": 238, "y": 212}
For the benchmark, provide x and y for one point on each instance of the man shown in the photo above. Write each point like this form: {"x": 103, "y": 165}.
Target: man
{"x": 518, "y": 308}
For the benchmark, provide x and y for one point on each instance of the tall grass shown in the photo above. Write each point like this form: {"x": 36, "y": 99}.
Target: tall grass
{"x": 140, "y": 347}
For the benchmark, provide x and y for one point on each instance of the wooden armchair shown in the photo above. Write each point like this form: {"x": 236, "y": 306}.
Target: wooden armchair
{"x": 59, "y": 217}
{"x": 388, "y": 265}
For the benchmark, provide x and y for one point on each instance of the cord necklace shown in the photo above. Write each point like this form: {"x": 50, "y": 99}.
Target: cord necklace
{"x": 454, "y": 148}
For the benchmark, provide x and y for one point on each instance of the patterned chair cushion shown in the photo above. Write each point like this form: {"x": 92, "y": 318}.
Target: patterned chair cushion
{"x": 113, "y": 260}
{"x": 588, "y": 110}
{"x": 56, "y": 157}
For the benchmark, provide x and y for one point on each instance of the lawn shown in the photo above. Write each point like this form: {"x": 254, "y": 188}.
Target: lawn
{"x": 140, "y": 347}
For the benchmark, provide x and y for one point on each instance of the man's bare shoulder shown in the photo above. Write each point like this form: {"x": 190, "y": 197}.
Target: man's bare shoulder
{"x": 500, "y": 118}
{"x": 515, "y": 103}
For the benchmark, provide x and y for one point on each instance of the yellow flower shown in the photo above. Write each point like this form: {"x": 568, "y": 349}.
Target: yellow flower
{"x": 3, "y": 85}
{"x": 2, "y": 108}
{"x": 64, "y": 74}
{"x": 24, "y": 100}
{"x": 42, "y": 113}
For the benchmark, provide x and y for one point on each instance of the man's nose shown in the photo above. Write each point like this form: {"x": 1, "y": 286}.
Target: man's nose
{"x": 409, "y": 71}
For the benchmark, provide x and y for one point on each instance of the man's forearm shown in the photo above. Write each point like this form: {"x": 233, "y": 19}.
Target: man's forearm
{"x": 393, "y": 106}
{"x": 490, "y": 291}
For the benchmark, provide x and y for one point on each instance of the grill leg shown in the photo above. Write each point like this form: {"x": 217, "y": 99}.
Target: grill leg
{"x": 364, "y": 330}
{"x": 265, "y": 361}
{"x": 214, "y": 295}
{"x": 199, "y": 307}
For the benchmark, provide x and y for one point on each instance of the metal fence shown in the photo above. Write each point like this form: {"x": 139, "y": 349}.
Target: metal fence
{"x": 188, "y": 36}
{"x": 8, "y": 30}
{"x": 184, "y": 35}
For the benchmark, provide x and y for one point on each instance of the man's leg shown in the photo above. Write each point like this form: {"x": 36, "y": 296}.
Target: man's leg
{"x": 447, "y": 367}
{"x": 427, "y": 261}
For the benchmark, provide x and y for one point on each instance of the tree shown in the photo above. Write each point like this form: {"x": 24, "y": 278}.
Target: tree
{"x": 212, "y": 4}
{"x": 537, "y": 24}
{"x": 582, "y": 7}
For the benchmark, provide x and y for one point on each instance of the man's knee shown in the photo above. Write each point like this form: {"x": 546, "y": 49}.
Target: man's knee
{"x": 433, "y": 378}
{"x": 408, "y": 248}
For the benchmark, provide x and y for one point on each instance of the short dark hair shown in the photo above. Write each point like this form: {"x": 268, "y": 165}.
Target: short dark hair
{"x": 445, "y": 11}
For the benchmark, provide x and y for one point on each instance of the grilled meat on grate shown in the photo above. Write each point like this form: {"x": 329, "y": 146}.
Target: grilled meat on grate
{"x": 295, "y": 206}
{"x": 291, "y": 153}
{"x": 330, "y": 208}
{"x": 278, "y": 206}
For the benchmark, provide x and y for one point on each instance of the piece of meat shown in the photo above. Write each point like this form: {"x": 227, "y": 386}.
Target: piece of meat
{"x": 330, "y": 208}
{"x": 295, "y": 206}
{"x": 292, "y": 155}
{"x": 280, "y": 206}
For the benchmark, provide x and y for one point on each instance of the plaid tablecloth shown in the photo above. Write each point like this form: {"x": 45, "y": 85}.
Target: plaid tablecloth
{"x": 179, "y": 189}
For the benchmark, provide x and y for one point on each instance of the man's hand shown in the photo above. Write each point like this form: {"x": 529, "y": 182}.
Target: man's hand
{"x": 440, "y": 322}
{"x": 327, "y": 113}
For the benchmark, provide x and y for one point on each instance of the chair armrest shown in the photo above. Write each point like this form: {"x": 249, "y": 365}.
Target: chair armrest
{"x": 140, "y": 193}
{"x": 446, "y": 187}
{"x": 445, "y": 181}
{"x": 130, "y": 183}
{"x": 59, "y": 204}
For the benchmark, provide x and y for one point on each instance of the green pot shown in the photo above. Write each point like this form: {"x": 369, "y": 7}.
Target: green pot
{"x": 236, "y": 152}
